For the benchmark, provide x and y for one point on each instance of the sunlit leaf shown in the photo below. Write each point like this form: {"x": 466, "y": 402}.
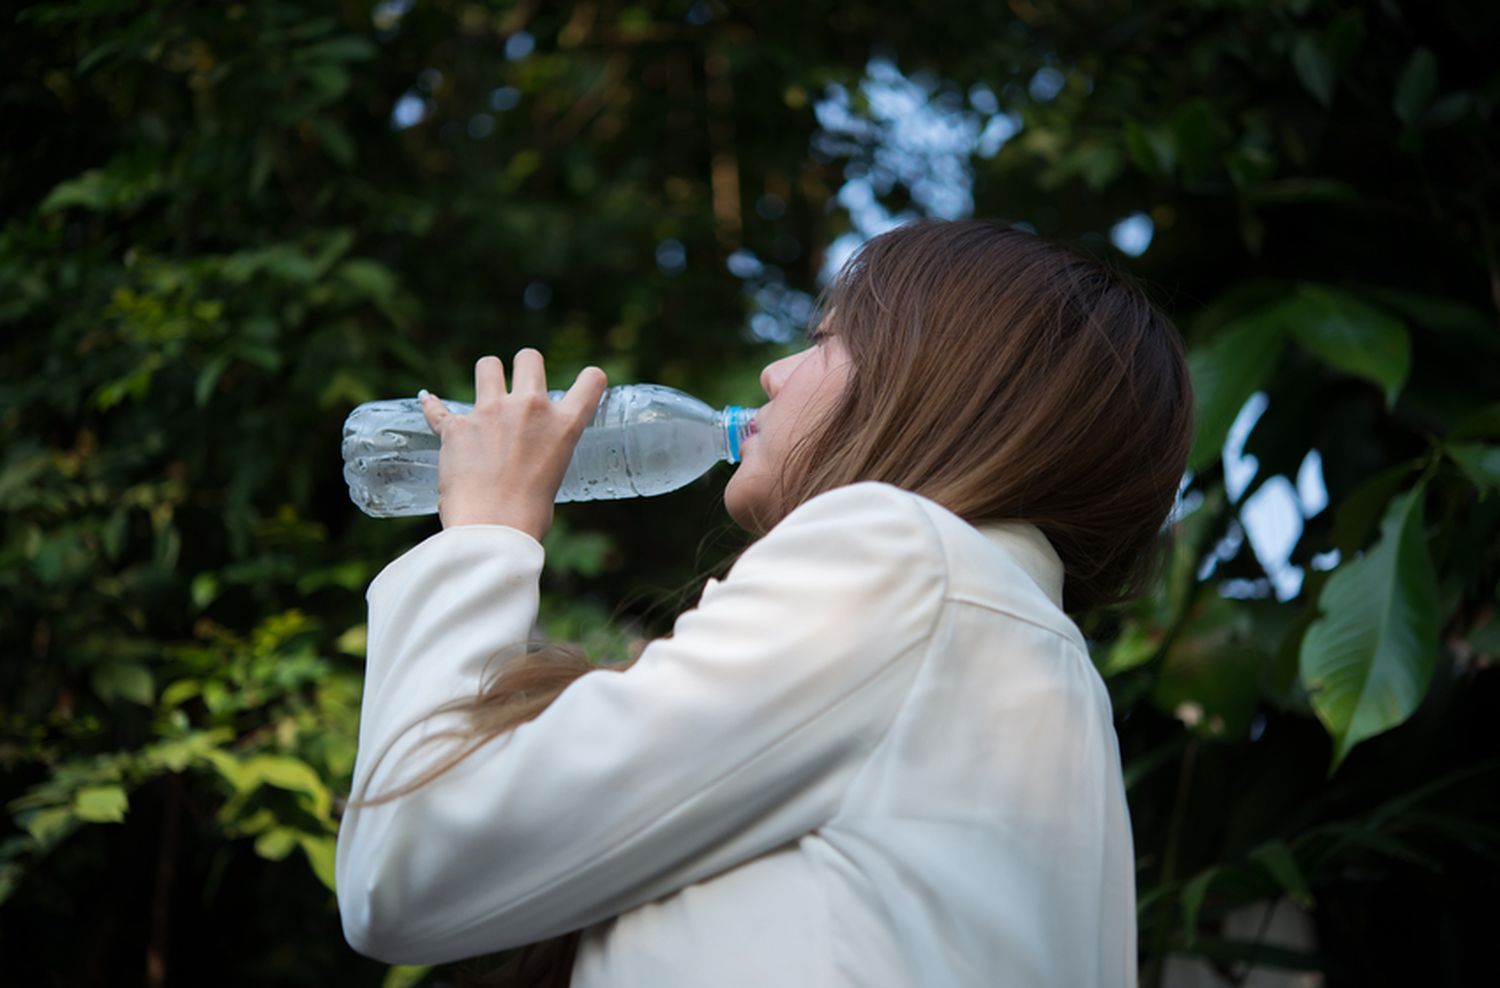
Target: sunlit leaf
{"x": 404, "y": 975}
{"x": 320, "y": 850}
{"x": 276, "y": 843}
{"x": 101, "y": 804}
{"x": 286, "y": 772}
{"x": 352, "y": 641}
{"x": 204, "y": 588}
{"x": 1367, "y": 660}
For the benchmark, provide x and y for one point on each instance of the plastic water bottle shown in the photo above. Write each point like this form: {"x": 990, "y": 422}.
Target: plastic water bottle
{"x": 645, "y": 439}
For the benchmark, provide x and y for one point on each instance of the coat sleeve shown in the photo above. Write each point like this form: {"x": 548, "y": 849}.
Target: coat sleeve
{"x": 739, "y": 732}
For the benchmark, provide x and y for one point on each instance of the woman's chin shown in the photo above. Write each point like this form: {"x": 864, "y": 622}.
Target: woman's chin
{"x": 740, "y": 503}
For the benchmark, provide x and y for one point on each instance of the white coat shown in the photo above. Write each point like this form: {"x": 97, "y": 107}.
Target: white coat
{"x": 875, "y": 754}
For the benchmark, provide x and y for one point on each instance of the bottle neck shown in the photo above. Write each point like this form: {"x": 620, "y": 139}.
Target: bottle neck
{"x": 736, "y": 424}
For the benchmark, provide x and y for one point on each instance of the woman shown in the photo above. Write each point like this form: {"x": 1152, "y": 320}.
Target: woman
{"x": 876, "y": 753}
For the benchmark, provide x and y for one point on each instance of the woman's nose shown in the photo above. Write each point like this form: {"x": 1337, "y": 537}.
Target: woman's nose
{"x": 774, "y": 373}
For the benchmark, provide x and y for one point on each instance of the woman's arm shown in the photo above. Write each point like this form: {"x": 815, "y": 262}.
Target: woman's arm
{"x": 737, "y": 734}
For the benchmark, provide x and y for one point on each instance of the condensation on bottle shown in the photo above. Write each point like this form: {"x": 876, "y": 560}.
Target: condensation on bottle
{"x": 645, "y": 439}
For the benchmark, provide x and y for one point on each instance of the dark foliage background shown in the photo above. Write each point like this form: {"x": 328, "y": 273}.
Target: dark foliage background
{"x": 222, "y": 225}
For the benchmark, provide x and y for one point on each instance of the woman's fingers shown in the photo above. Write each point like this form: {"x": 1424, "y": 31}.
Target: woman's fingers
{"x": 527, "y": 372}
{"x": 528, "y": 376}
{"x": 582, "y": 398}
{"x": 489, "y": 380}
{"x": 434, "y": 411}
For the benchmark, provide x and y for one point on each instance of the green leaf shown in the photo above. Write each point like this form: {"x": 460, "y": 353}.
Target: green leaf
{"x": 1446, "y": 315}
{"x": 1277, "y": 859}
{"x": 88, "y": 191}
{"x": 11, "y": 873}
{"x": 208, "y": 378}
{"x": 1226, "y": 372}
{"x": 320, "y": 850}
{"x": 130, "y": 680}
{"x": 1249, "y": 166}
{"x": 1416, "y": 86}
{"x": 276, "y": 843}
{"x": 1313, "y": 67}
{"x": 1368, "y": 659}
{"x": 231, "y": 768}
{"x": 348, "y": 48}
{"x": 1134, "y": 646}
{"x": 1352, "y": 336}
{"x": 327, "y": 80}
{"x": 119, "y": 186}
{"x": 1150, "y": 149}
{"x": 352, "y": 641}
{"x": 404, "y": 975}
{"x": 1480, "y": 462}
{"x": 286, "y": 772}
{"x": 1192, "y": 901}
{"x": 371, "y": 278}
{"x": 204, "y": 588}
{"x": 101, "y": 804}
{"x": 336, "y": 140}
{"x": 178, "y": 753}
{"x": 49, "y": 826}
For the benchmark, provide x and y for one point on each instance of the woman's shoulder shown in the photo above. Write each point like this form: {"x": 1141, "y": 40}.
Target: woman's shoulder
{"x": 865, "y": 498}
{"x": 871, "y": 520}
{"x": 1007, "y": 566}
{"x": 861, "y": 528}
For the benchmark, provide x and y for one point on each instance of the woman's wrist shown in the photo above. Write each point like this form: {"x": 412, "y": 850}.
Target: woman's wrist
{"x": 533, "y": 523}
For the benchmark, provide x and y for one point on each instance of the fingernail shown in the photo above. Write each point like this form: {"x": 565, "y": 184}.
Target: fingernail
{"x": 422, "y": 393}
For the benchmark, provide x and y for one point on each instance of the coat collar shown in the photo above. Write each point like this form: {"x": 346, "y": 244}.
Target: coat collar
{"x": 1033, "y": 551}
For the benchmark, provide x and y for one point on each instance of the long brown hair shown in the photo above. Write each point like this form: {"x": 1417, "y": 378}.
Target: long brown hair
{"x": 1000, "y": 374}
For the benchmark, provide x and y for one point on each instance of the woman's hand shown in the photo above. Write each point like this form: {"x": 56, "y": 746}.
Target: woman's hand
{"x": 503, "y": 463}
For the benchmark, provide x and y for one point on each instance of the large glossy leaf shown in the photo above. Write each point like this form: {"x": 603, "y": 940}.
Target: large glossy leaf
{"x": 1367, "y": 661}
{"x": 1352, "y": 336}
{"x": 1226, "y": 372}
